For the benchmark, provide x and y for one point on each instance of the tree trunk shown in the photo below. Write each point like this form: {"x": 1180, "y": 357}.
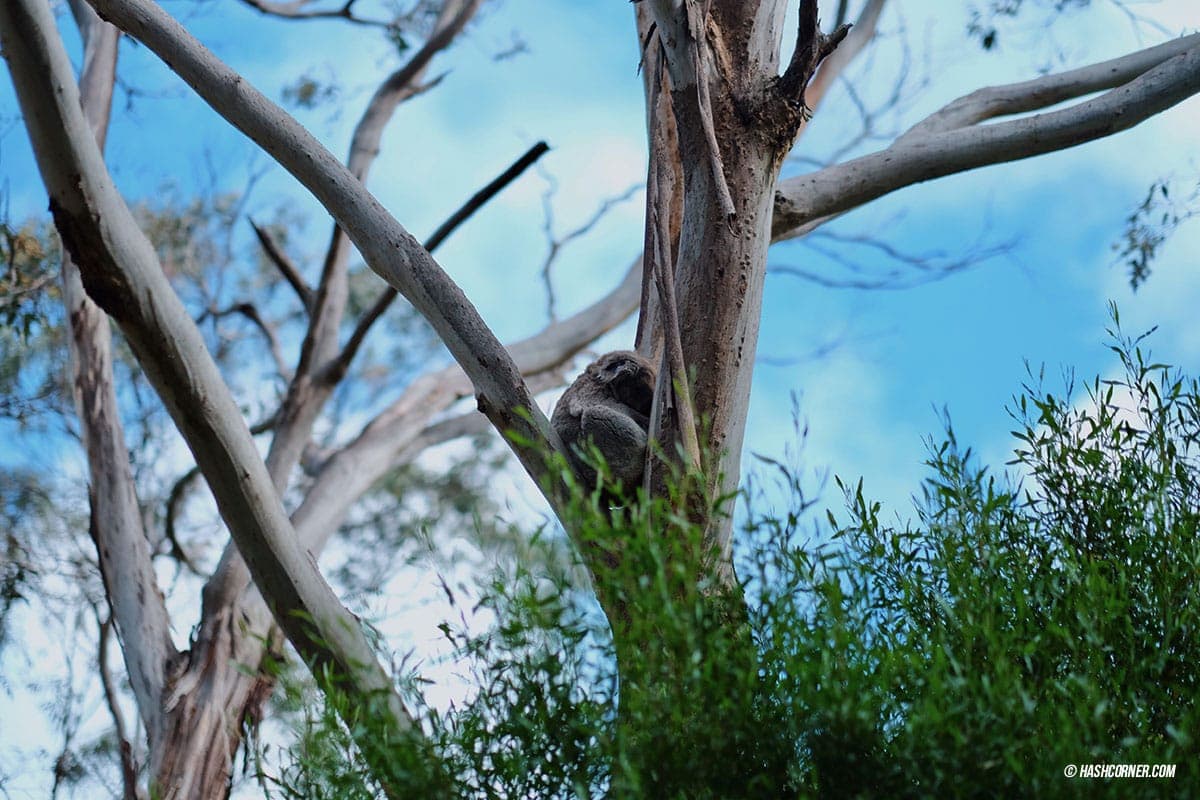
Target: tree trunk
{"x": 733, "y": 125}
{"x": 209, "y": 706}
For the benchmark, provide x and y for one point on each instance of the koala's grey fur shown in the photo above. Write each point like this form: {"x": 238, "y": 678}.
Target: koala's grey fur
{"x": 609, "y": 405}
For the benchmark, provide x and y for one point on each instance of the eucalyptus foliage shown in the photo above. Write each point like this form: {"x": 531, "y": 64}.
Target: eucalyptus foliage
{"x": 1018, "y": 625}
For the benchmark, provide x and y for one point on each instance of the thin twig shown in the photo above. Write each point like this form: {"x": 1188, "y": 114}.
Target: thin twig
{"x": 477, "y": 201}
{"x": 284, "y": 264}
{"x": 129, "y": 770}
{"x": 812, "y": 47}
{"x": 557, "y": 243}
{"x": 250, "y": 312}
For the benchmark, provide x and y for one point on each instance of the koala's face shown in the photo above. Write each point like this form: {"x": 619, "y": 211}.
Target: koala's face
{"x": 628, "y": 377}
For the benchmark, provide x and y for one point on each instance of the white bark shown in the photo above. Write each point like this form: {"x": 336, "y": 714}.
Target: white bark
{"x": 116, "y": 524}
{"x": 952, "y": 140}
{"x": 121, "y": 272}
{"x": 313, "y": 384}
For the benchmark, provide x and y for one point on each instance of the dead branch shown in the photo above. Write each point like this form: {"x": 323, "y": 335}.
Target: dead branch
{"x": 834, "y": 66}
{"x": 338, "y": 368}
{"x": 812, "y": 47}
{"x": 556, "y": 244}
{"x": 285, "y": 265}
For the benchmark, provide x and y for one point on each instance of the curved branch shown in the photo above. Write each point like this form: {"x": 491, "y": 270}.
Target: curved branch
{"x": 174, "y": 498}
{"x": 404, "y": 83}
{"x": 950, "y": 142}
{"x": 998, "y": 101}
{"x": 250, "y": 312}
{"x": 304, "y": 401}
{"x": 387, "y": 247}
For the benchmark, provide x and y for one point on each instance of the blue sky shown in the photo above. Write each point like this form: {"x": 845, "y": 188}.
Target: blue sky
{"x": 961, "y": 343}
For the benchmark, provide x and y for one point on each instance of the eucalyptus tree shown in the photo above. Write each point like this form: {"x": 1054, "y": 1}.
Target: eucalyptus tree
{"x": 724, "y": 111}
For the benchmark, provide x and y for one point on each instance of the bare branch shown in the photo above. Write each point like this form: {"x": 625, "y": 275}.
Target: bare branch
{"x": 129, "y": 771}
{"x": 842, "y": 10}
{"x": 403, "y": 84}
{"x": 284, "y": 264}
{"x": 856, "y": 41}
{"x": 250, "y": 312}
{"x": 812, "y": 47}
{"x": 1017, "y": 98}
{"x": 915, "y": 269}
{"x": 557, "y": 243}
{"x": 115, "y": 518}
{"x": 471, "y": 423}
{"x": 386, "y": 246}
{"x": 298, "y": 9}
{"x": 304, "y": 401}
{"x": 178, "y": 491}
{"x": 949, "y": 142}
{"x": 338, "y": 368}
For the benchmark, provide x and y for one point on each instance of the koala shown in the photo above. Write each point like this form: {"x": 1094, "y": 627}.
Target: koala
{"x": 608, "y": 405}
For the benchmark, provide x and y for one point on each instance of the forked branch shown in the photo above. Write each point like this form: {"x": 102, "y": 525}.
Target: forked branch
{"x": 951, "y": 140}
{"x": 812, "y": 47}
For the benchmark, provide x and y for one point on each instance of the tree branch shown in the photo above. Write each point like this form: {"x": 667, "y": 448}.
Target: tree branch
{"x": 950, "y": 142}
{"x": 556, "y": 244}
{"x": 116, "y": 522}
{"x": 833, "y": 67}
{"x": 1017, "y": 98}
{"x": 122, "y": 273}
{"x": 174, "y": 498}
{"x": 342, "y": 363}
{"x": 305, "y": 400}
{"x": 250, "y": 312}
{"x": 812, "y": 47}
{"x": 285, "y": 265}
{"x": 129, "y": 771}
{"x": 298, "y": 9}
